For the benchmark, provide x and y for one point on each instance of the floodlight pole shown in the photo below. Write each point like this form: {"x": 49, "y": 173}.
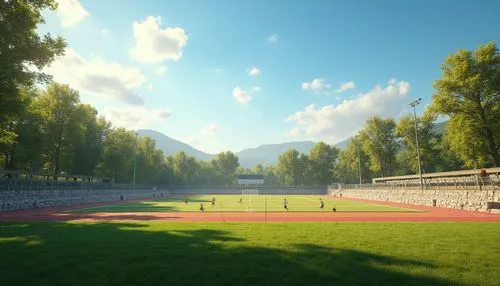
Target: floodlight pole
{"x": 413, "y": 104}
{"x": 135, "y": 162}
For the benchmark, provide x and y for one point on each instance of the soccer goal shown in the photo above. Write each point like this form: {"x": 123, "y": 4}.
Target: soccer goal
{"x": 249, "y": 193}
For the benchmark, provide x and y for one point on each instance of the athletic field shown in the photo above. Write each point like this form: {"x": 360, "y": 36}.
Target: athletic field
{"x": 248, "y": 203}
{"x": 162, "y": 241}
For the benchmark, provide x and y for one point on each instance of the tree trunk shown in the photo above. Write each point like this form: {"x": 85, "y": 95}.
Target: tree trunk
{"x": 381, "y": 163}
{"x": 57, "y": 166}
{"x": 114, "y": 173}
{"x": 6, "y": 162}
{"x": 492, "y": 148}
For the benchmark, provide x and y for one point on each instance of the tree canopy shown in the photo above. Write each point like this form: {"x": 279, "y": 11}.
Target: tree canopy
{"x": 378, "y": 140}
{"x": 23, "y": 53}
{"x": 469, "y": 93}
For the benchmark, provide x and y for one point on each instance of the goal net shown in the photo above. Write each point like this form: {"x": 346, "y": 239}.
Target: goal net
{"x": 249, "y": 193}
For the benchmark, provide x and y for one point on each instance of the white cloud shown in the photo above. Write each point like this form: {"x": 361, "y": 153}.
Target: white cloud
{"x": 253, "y": 71}
{"x": 160, "y": 70}
{"x": 104, "y": 31}
{"x": 392, "y": 81}
{"x": 337, "y": 122}
{"x": 346, "y": 86}
{"x": 150, "y": 86}
{"x": 256, "y": 88}
{"x": 404, "y": 87}
{"x": 241, "y": 95}
{"x": 155, "y": 44}
{"x": 71, "y": 12}
{"x": 210, "y": 129}
{"x": 273, "y": 38}
{"x": 135, "y": 117}
{"x": 98, "y": 77}
{"x": 316, "y": 85}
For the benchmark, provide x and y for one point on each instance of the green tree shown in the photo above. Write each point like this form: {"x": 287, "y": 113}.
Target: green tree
{"x": 243, "y": 170}
{"x": 226, "y": 165}
{"x": 258, "y": 169}
{"x": 22, "y": 151}
{"x": 306, "y": 172}
{"x": 118, "y": 155}
{"x": 469, "y": 93}
{"x": 448, "y": 160}
{"x": 289, "y": 168}
{"x": 270, "y": 176}
{"x": 185, "y": 169}
{"x": 427, "y": 141}
{"x": 149, "y": 161}
{"x": 347, "y": 167}
{"x": 459, "y": 137}
{"x": 378, "y": 140}
{"x": 323, "y": 157}
{"x": 89, "y": 140}
{"x": 208, "y": 175}
{"x": 58, "y": 108}
{"x": 23, "y": 53}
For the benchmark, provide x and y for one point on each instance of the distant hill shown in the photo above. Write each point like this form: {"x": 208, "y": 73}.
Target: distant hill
{"x": 440, "y": 127}
{"x": 343, "y": 144}
{"x": 264, "y": 154}
{"x": 171, "y": 146}
{"x": 268, "y": 154}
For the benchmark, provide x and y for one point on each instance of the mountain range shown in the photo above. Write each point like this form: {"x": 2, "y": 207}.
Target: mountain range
{"x": 266, "y": 154}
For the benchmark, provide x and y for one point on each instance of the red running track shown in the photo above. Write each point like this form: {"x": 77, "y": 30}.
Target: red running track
{"x": 427, "y": 214}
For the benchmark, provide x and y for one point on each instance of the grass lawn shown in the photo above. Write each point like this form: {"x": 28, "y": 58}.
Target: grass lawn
{"x": 249, "y": 203}
{"x": 164, "y": 253}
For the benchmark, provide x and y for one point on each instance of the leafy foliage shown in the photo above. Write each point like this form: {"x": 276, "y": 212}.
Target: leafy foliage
{"x": 23, "y": 53}
{"x": 347, "y": 168}
{"x": 427, "y": 139}
{"x": 469, "y": 93}
{"x": 322, "y": 159}
{"x": 378, "y": 140}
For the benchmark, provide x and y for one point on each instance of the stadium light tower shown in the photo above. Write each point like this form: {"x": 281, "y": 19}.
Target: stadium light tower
{"x": 413, "y": 104}
{"x": 135, "y": 161}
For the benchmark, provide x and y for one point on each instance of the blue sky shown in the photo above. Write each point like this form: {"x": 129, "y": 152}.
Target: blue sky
{"x": 229, "y": 75}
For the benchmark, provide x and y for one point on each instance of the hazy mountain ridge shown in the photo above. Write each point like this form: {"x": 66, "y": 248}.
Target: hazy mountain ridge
{"x": 171, "y": 146}
{"x": 266, "y": 154}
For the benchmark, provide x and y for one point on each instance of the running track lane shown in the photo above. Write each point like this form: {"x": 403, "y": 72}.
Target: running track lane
{"x": 428, "y": 214}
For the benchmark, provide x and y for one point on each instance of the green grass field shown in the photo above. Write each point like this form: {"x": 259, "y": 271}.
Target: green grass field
{"x": 227, "y": 203}
{"x": 163, "y": 253}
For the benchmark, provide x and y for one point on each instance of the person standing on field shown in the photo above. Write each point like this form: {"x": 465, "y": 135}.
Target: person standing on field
{"x": 285, "y": 204}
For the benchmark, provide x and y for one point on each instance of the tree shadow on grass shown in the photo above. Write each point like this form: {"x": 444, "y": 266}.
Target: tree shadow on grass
{"x": 191, "y": 199}
{"x": 159, "y": 254}
{"x": 143, "y": 206}
{"x": 109, "y": 217}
